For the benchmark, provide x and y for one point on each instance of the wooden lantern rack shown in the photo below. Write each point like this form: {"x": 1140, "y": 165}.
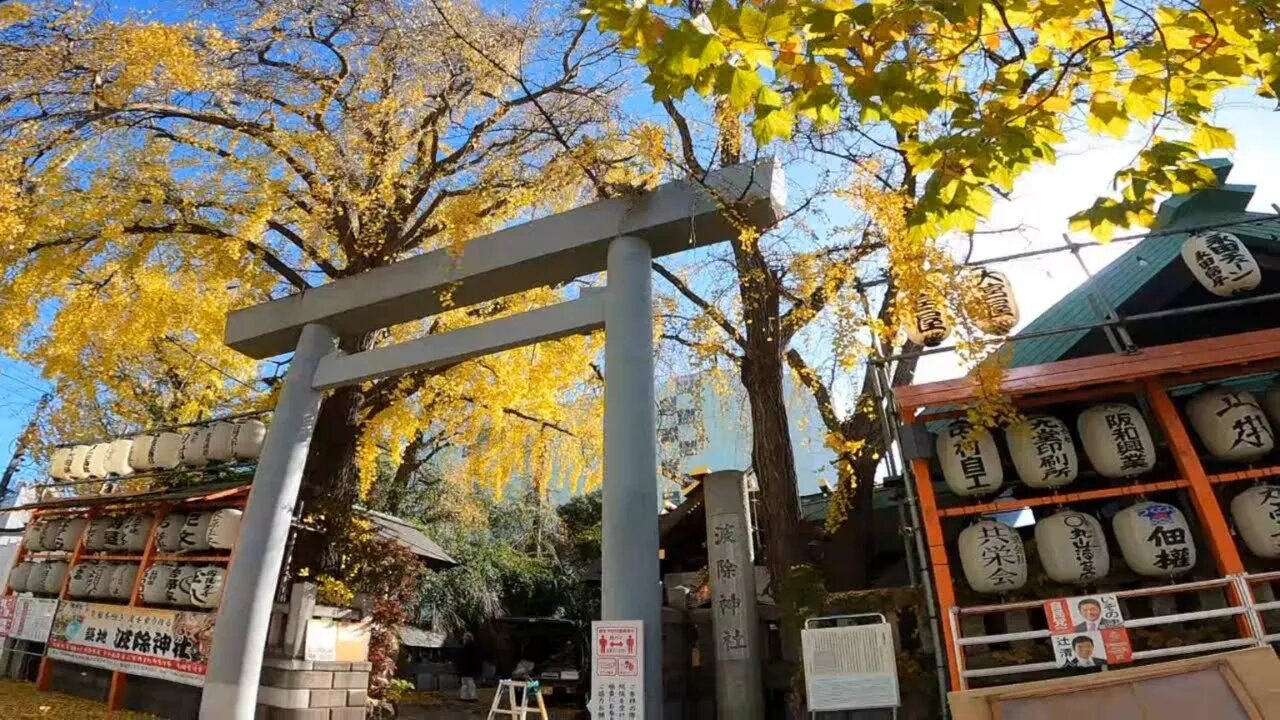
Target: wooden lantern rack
{"x": 1150, "y": 373}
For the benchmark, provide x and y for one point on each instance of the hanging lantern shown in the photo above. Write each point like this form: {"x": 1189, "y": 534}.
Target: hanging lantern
{"x": 193, "y": 447}
{"x": 1043, "y": 452}
{"x": 992, "y": 557}
{"x": 166, "y": 451}
{"x": 140, "y": 453}
{"x": 122, "y": 580}
{"x": 18, "y": 576}
{"x": 1072, "y": 548}
{"x": 95, "y": 461}
{"x": 33, "y": 536}
{"x": 68, "y": 534}
{"x": 1256, "y": 513}
{"x": 55, "y": 577}
{"x": 926, "y": 323}
{"x": 80, "y": 576}
{"x": 118, "y": 457}
{"x": 60, "y": 463}
{"x": 49, "y": 533}
{"x": 247, "y": 438}
{"x": 114, "y": 534}
{"x": 1231, "y": 424}
{"x": 1154, "y": 539}
{"x": 178, "y": 590}
{"x": 224, "y": 526}
{"x": 155, "y": 583}
{"x": 76, "y": 469}
{"x": 1116, "y": 440}
{"x": 998, "y": 313}
{"x": 1221, "y": 263}
{"x": 95, "y": 537}
{"x": 133, "y": 532}
{"x": 206, "y": 586}
{"x": 221, "y": 442}
{"x": 169, "y": 534}
{"x": 970, "y": 461}
{"x": 39, "y": 573}
{"x": 195, "y": 531}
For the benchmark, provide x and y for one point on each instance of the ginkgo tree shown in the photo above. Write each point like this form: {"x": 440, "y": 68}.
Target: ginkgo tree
{"x": 158, "y": 174}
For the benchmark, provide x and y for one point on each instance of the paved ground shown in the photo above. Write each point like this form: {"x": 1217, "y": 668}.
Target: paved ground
{"x": 445, "y": 706}
{"x": 21, "y": 701}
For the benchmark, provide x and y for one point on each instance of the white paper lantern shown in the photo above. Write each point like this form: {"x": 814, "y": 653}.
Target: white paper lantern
{"x": 1072, "y": 548}
{"x": 55, "y": 577}
{"x": 247, "y": 438}
{"x": 133, "y": 532}
{"x": 1231, "y": 424}
{"x": 118, "y": 457}
{"x": 926, "y": 323}
{"x": 76, "y": 469}
{"x": 1256, "y": 513}
{"x": 1154, "y": 539}
{"x": 166, "y": 451}
{"x": 1221, "y": 263}
{"x": 114, "y": 534}
{"x": 122, "y": 580}
{"x": 155, "y": 583}
{"x": 1043, "y": 452}
{"x": 68, "y": 534}
{"x": 970, "y": 461}
{"x": 169, "y": 534}
{"x": 39, "y": 573}
{"x": 224, "y": 527}
{"x": 95, "y": 537}
{"x": 100, "y": 580}
{"x": 195, "y": 531}
{"x": 992, "y": 557}
{"x": 49, "y": 533}
{"x": 206, "y": 586}
{"x": 1116, "y": 440}
{"x": 178, "y": 591}
{"x": 60, "y": 463}
{"x": 80, "y": 576}
{"x": 140, "y": 453}
{"x": 221, "y": 442}
{"x": 999, "y": 307}
{"x": 193, "y": 447}
{"x": 18, "y": 576}
{"x": 33, "y": 536}
{"x": 95, "y": 461}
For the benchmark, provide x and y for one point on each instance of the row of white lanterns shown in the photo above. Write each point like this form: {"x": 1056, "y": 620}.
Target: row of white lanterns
{"x": 928, "y": 325}
{"x": 1232, "y": 425}
{"x": 1154, "y": 540}
{"x": 183, "y": 584}
{"x": 178, "y": 532}
{"x": 222, "y": 441}
{"x": 163, "y": 583}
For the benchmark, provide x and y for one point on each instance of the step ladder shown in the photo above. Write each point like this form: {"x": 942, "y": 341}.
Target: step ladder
{"x": 519, "y": 710}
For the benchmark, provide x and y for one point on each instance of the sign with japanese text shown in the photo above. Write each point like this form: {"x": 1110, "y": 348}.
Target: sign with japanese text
{"x": 30, "y": 618}
{"x": 617, "y": 669}
{"x": 8, "y": 604}
{"x": 170, "y": 645}
{"x": 1087, "y": 632}
{"x": 728, "y": 560}
{"x": 850, "y": 668}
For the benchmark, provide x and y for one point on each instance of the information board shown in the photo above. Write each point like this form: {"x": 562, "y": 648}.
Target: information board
{"x": 617, "y": 670}
{"x": 26, "y": 618}
{"x": 850, "y": 668}
{"x": 167, "y": 644}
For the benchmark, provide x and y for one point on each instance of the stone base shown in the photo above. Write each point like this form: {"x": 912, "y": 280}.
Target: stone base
{"x": 312, "y": 690}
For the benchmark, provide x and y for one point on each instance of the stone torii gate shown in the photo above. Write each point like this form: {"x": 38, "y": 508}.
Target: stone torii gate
{"x": 620, "y": 236}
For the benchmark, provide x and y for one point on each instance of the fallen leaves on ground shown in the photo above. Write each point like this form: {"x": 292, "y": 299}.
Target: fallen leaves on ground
{"x": 21, "y": 701}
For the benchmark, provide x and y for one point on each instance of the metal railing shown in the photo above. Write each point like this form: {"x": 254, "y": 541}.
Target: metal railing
{"x": 1239, "y": 594}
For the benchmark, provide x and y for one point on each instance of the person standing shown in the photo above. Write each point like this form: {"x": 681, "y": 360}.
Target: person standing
{"x": 468, "y": 668}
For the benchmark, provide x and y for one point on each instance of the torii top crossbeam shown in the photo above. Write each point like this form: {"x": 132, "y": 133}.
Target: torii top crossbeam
{"x": 673, "y": 217}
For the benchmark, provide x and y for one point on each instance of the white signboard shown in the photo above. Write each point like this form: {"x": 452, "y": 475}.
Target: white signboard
{"x": 617, "y": 669}
{"x": 850, "y": 668}
{"x": 170, "y": 645}
{"x": 30, "y": 619}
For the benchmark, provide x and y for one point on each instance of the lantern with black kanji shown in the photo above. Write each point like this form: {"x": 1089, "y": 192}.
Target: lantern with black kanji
{"x": 76, "y": 469}
{"x": 18, "y": 576}
{"x": 247, "y": 438}
{"x": 926, "y": 322}
{"x": 224, "y": 527}
{"x": 1072, "y": 548}
{"x": 997, "y": 311}
{"x": 969, "y": 458}
{"x": 222, "y": 441}
{"x": 1221, "y": 263}
{"x": 1116, "y": 440}
{"x": 60, "y": 463}
{"x": 155, "y": 583}
{"x": 140, "y": 453}
{"x": 1231, "y": 424}
{"x": 166, "y": 451}
{"x": 95, "y": 461}
{"x": 122, "y": 579}
{"x": 100, "y": 582}
{"x": 1043, "y": 452}
{"x": 118, "y": 457}
{"x": 195, "y": 445}
{"x": 992, "y": 557}
{"x": 1154, "y": 539}
{"x": 206, "y": 586}
{"x": 178, "y": 591}
{"x": 1256, "y": 513}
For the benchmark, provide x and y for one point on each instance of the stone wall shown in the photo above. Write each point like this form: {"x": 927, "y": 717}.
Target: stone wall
{"x": 312, "y": 690}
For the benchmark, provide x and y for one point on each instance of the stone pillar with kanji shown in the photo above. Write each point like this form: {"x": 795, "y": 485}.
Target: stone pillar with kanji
{"x": 734, "y": 619}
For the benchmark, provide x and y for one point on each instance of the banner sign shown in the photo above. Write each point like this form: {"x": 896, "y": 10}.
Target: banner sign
{"x": 617, "y": 669}
{"x": 170, "y": 645}
{"x": 26, "y": 618}
{"x": 1087, "y": 632}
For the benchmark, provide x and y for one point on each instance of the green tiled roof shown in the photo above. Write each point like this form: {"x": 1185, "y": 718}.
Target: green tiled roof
{"x": 1127, "y": 274}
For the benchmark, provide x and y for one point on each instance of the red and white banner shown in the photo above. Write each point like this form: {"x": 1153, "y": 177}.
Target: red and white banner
{"x": 167, "y": 644}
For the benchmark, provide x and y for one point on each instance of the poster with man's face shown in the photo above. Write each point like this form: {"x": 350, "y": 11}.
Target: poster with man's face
{"x": 1087, "y": 631}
